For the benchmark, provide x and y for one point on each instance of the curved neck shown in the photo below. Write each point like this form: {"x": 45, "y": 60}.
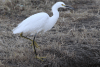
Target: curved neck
{"x": 55, "y": 16}
{"x": 55, "y": 11}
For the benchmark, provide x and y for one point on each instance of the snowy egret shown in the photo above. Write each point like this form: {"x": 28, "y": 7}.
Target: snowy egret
{"x": 39, "y": 22}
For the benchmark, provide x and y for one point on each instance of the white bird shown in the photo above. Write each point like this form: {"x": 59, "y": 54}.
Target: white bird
{"x": 39, "y": 22}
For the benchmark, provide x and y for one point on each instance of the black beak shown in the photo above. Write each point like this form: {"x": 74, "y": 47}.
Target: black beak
{"x": 69, "y": 7}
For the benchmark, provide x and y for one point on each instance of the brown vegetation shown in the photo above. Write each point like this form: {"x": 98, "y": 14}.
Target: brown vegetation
{"x": 73, "y": 42}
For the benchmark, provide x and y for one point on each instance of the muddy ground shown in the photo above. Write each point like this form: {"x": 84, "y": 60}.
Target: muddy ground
{"x": 73, "y": 42}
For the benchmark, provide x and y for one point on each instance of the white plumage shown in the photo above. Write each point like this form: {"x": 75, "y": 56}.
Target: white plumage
{"x": 39, "y": 22}
{"x": 32, "y": 24}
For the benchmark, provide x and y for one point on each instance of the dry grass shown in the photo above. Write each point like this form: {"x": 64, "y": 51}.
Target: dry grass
{"x": 73, "y": 42}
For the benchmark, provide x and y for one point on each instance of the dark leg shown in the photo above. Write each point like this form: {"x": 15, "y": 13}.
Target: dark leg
{"x": 21, "y": 35}
{"x": 40, "y": 58}
{"x": 34, "y": 46}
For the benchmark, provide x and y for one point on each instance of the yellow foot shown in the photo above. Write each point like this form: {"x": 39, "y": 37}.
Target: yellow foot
{"x": 36, "y": 45}
{"x": 40, "y": 58}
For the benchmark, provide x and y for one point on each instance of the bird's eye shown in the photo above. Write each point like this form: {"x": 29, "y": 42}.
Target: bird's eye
{"x": 62, "y": 4}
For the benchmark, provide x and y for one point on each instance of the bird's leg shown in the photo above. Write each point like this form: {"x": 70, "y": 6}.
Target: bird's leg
{"x": 21, "y": 35}
{"x": 36, "y": 45}
{"x": 33, "y": 43}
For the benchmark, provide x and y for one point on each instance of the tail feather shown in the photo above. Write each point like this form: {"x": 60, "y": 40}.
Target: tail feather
{"x": 16, "y": 30}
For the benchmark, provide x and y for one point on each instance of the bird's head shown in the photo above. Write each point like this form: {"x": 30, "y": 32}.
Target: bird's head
{"x": 63, "y": 5}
